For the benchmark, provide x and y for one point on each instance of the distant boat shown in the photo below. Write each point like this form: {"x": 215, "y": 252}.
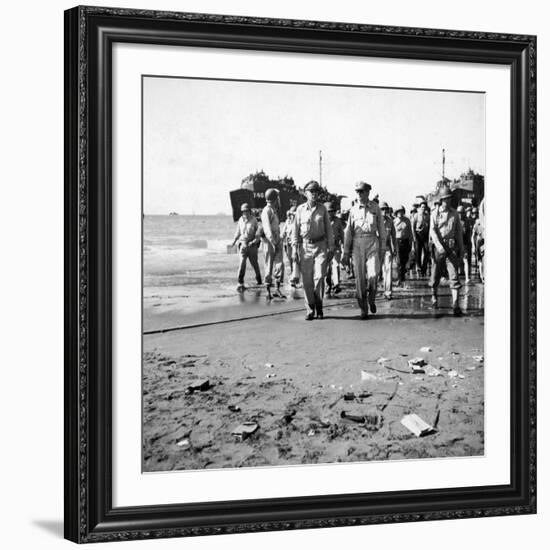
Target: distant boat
{"x": 173, "y": 214}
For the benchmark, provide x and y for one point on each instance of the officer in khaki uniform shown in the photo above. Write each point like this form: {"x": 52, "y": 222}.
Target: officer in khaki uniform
{"x": 313, "y": 248}
{"x": 246, "y": 236}
{"x": 404, "y": 241}
{"x": 274, "y": 266}
{"x": 287, "y": 244}
{"x": 421, "y": 227}
{"x": 387, "y": 260}
{"x": 446, "y": 235}
{"x": 365, "y": 239}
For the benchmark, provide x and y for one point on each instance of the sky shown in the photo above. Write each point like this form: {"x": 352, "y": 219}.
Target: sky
{"x": 202, "y": 137}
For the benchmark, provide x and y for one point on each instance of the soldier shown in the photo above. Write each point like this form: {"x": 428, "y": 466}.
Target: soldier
{"x": 313, "y": 244}
{"x": 246, "y": 236}
{"x": 446, "y": 234}
{"x": 365, "y": 238}
{"x": 478, "y": 240}
{"x": 287, "y": 244}
{"x": 466, "y": 224}
{"x": 274, "y": 266}
{"x": 403, "y": 241}
{"x": 333, "y": 269}
{"x": 421, "y": 228}
{"x": 387, "y": 260}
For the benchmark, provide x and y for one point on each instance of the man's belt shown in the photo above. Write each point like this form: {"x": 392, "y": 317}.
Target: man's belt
{"x": 313, "y": 241}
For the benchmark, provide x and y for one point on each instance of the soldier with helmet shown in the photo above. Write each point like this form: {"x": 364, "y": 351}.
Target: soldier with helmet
{"x": 446, "y": 234}
{"x": 313, "y": 248}
{"x": 403, "y": 240}
{"x": 274, "y": 266}
{"x": 421, "y": 227}
{"x": 390, "y": 251}
{"x": 287, "y": 244}
{"x": 247, "y": 237}
{"x": 365, "y": 238}
{"x": 333, "y": 269}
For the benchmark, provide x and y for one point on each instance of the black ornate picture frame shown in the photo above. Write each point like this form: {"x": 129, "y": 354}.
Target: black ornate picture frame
{"x": 90, "y": 33}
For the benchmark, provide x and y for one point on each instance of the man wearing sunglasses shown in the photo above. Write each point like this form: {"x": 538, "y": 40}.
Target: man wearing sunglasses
{"x": 365, "y": 240}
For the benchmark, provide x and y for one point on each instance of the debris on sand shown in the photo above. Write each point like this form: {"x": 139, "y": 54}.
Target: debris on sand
{"x": 478, "y": 358}
{"x": 383, "y": 360}
{"x": 234, "y": 408}
{"x": 244, "y": 430}
{"x": 350, "y": 396}
{"x": 198, "y": 385}
{"x": 426, "y": 349}
{"x": 311, "y": 433}
{"x": 452, "y": 374}
{"x": 270, "y": 375}
{"x": 366, "y": 376}
{"x": 372, "y": 420}
{"x": 417, "y": 365}
{"x": 269, "y": 365}
{"x": 416, "y": 425}
{"x": 432, "y": 371}
{"x": 185, "y": 443}
{"x": 471, "y": 368}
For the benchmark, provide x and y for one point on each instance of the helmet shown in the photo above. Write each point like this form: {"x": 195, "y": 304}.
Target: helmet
{"x": 271, "y": 194}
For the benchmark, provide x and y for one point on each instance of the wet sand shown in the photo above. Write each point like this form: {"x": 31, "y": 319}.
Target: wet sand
{"x": 290, "y": 378}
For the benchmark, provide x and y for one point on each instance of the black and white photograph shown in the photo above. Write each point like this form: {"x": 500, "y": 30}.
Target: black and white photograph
{"x": 313, "y": 273}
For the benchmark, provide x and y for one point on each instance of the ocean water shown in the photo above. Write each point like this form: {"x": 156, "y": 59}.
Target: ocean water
{"x": 188, "y": 250}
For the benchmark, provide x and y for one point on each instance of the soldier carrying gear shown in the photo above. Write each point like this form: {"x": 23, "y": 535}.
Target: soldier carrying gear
{"x": 273, "y": 245}
{"x": 246, "y": 236}
{"x": 333, "y": 269}
{"x": 446, "y": 234}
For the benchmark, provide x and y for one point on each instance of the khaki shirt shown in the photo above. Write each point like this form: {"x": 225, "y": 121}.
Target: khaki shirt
{"x": 270, "y": 224}
{"x": 312, "y": 223}
{"x": 365, "y": 221}
{"x": 246, "y": 230}
{"x": 446, "y": 229}
{"x": 402, "y": 228}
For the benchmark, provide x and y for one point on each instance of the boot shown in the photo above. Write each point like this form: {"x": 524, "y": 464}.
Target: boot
{"x": 372, "y": 305}
{"x": 319, "y": 310}
{"x": 268, "y": 292}
{"x": 434, "y": 299}
{"x": 278, "y": 293}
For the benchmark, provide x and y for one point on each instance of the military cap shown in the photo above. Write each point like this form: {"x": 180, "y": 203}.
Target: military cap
{"x": 421, "y": 199}
{"x": 402, "y": 208}
{"x": 445, "y": 192}
{"x": 271, "y": 194}
{"x": 312, "y": 185}
{"x": 384, "y": 205}
{"x": 362, "y": 186}
{"x": 245, "y": 207}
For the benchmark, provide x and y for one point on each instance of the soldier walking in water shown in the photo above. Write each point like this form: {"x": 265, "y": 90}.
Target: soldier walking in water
{"x": 313, "y": 248}
{"x": 365, "y": 238}
{"x": 333, "y": 270}
{"x": 287, "y": 237}
{"x": 246, "y": 236}
{"x": 446, "y": 234}
{"x": 274, "y": 266}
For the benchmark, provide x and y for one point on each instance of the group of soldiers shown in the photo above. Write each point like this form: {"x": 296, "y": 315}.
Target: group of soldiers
{"x": 437, "y": 242}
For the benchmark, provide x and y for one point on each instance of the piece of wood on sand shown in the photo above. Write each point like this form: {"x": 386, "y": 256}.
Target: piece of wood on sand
{"x": 416, "y": 425}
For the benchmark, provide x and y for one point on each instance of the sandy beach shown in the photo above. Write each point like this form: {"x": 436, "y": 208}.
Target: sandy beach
{"x": 331, "y": 390}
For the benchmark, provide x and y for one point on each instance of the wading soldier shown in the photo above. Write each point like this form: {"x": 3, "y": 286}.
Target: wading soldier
{"x": 248, "y": 240}
{"x": 403, "y": 241}
{"x": 274, "y": 266}
{"x": 313, "y": 248}
{"x": 287, "y": 244}
{"x": 421, "y": 229}
{"x": 365, "y": 238}
{"x": 446, "y": 234}
{"x": 390, "y": 251}
{"x": 333, "y": 270}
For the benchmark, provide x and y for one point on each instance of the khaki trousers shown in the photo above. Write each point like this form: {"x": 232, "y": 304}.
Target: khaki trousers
{"x": 313, "y": 266}
{"x": 366, "y": 261}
